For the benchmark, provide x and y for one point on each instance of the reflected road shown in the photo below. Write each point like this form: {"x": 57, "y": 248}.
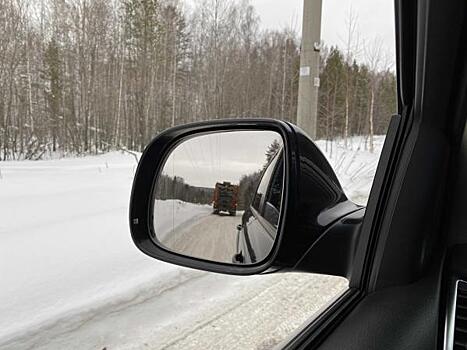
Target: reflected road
{"x": 212, "y": 237}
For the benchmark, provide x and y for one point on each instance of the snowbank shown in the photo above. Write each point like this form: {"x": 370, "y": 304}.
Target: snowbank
{"x": 65, "y": 246}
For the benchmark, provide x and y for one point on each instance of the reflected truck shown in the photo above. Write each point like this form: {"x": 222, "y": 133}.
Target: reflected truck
{"x": 225, "y": 198}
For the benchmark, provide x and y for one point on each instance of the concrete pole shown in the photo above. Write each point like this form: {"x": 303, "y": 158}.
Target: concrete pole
{"x": 307, "y": 111}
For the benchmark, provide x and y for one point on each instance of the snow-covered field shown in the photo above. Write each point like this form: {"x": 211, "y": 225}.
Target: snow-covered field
{"x": 72, "y": 278}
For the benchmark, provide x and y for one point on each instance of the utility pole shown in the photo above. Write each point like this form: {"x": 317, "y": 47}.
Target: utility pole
{"x": 307, "y": 111}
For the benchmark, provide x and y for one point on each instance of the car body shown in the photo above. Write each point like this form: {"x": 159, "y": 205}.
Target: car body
{"x": 257, "y": 231}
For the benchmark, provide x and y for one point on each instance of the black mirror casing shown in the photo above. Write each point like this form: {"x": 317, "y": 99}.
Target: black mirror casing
{"x": 313, "y": 199}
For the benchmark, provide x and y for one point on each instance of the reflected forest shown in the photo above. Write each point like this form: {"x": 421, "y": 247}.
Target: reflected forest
{"x": 175, "y": 187}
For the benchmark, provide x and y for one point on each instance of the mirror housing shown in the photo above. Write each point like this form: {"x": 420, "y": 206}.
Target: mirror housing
{"x": 313, "y": 199}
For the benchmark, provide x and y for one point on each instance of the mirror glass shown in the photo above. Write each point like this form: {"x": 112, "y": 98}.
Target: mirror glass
{"x": 219, "y": 196}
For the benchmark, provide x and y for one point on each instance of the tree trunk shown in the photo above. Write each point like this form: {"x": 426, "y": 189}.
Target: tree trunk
{"x": 371, "y": 116}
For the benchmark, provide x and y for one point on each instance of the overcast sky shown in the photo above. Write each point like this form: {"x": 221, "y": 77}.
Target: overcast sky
{"x": 204, "y": 160}
{"x": 375, "y": 19}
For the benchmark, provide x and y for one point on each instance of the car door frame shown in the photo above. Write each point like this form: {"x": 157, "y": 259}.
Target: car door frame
{"x": 394, "y": 217}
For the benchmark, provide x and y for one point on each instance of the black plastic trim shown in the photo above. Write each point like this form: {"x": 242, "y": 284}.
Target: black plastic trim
{"x": 313, "y": 201}
{"x": 315, "y": 332}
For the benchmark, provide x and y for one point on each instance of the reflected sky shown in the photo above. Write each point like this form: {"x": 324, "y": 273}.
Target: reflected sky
{"x": 204, "y": 160}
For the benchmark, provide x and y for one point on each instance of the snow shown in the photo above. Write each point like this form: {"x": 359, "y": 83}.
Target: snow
{"x": 67, "y": 260}
{"x": 354, "y": 164}
{"x": 171, "y": 214}
{"x": 65, "y": 245}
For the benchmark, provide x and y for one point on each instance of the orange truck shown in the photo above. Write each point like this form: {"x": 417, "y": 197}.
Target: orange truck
{"x": 225, "y": 198}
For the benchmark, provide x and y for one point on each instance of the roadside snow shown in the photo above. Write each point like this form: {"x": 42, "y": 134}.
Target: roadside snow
{"x": 65, "y": 247}
{"x": 171, "y": 214}
{"x": 354, "y": 164}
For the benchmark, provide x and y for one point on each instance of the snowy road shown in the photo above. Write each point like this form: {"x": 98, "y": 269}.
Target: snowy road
{"x": 206, "y": 311}
{"x": 211, "y": 237}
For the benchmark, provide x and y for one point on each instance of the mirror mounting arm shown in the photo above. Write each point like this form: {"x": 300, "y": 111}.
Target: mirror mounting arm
{"x": 334, "y": 252}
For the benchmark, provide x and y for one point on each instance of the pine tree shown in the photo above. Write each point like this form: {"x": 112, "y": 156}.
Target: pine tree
{"x": 272, "y": 150}
{"x": 142, "y": 38}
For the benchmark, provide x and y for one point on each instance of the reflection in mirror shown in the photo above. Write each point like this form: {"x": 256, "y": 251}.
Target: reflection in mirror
{"x": 219, "y": 196}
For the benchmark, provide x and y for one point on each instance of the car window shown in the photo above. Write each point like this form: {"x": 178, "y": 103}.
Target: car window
{"x": 86, "y": 84}
{"x": 262, "y": 190}
{"x": 274, "y": 195}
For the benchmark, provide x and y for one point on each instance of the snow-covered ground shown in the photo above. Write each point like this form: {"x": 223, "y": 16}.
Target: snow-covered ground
{"x": 354, "y": 164}
{"x": 171, "y": 214}
{"x": 72, "y": 278}
{"x": 65, "y": 249}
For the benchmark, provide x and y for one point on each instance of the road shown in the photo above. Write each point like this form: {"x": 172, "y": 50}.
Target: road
{"x": 205, "y": 311}
{"x": 211, "y": 237}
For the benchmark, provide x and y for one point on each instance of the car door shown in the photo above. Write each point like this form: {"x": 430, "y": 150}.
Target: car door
{"x": 401, "y": 257}
{"x": 404, "y": 288}
{"x": 259, "y": 221}
{"x": 392, "y": 251}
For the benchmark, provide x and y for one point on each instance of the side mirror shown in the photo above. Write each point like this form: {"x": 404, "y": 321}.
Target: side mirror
{"x": 235, "y": 196}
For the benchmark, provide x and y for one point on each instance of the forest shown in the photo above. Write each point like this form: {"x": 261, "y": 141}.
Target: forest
{"x": 89, "y": 76}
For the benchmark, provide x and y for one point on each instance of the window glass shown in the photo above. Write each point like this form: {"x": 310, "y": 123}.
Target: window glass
{"x": 274, "y": 195}
{"x": 84, "y": 87}
{"x": 259, "y": 198}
